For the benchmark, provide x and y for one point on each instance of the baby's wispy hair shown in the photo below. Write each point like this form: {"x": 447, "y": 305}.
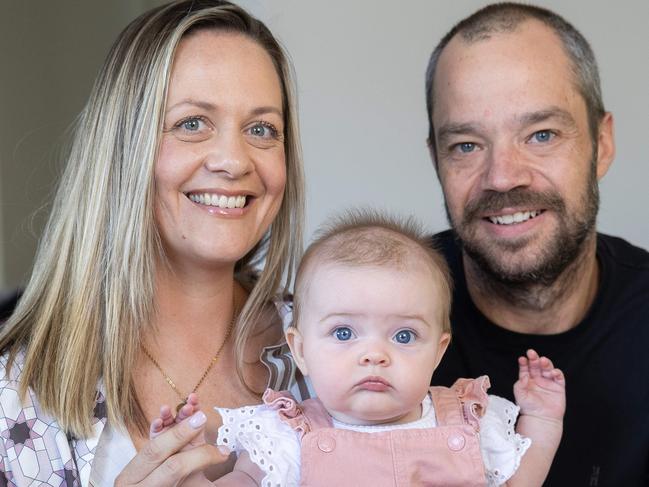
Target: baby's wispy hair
{"x": 370, "y": 238}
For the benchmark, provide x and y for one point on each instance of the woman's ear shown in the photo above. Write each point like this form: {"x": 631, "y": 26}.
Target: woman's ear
{"x": 296, "y": 344}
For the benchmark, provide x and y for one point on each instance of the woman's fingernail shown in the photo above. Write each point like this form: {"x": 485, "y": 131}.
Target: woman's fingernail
{"x": 224, "y": 450}
{"x": 197, "y": 420}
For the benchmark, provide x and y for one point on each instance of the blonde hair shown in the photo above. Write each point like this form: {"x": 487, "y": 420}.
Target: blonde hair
{"x": 91, "y": 289}
{"x": 368, "y": 238}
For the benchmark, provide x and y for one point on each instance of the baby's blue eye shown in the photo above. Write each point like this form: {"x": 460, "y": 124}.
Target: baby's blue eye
{"x": 404, "y": 336}
{"x": 343, "y": 333}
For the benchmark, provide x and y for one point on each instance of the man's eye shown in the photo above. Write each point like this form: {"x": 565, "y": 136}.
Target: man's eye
{"x": 343, "y": 333}
{"x": 465, "y": 147}
{"x": 404, "y": 336}
{"x": 542, "y": 136}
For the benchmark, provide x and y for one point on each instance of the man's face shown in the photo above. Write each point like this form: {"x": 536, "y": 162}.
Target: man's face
{"x": 515, "y": 158}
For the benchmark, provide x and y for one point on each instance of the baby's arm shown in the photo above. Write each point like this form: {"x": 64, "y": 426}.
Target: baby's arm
{"x": 245, "y": 473}
{"x": 540, "y": 392}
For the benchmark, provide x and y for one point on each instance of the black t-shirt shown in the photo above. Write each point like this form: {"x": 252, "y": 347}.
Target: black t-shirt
{"x": 605, "y": 359}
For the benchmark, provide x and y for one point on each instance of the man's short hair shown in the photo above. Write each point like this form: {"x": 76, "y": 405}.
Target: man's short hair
{"x": 506, "y": 17}
{"x": 367, "y": 238}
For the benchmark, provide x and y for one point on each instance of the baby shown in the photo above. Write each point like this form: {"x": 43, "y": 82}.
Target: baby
{"x": 370, "y": 325}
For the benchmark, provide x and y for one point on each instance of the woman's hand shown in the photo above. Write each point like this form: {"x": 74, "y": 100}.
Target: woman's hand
{"x": 161, "y": 462}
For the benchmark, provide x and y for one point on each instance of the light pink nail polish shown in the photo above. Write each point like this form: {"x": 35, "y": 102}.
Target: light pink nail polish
{"x": 197, "y": 420}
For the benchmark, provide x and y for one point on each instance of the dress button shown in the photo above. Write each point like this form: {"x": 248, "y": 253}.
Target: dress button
{"x": 456, "y": 442}
{"x": 326, "y": 443}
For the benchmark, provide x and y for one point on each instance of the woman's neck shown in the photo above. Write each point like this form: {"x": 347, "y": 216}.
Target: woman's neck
{"x": 195, "y": 303}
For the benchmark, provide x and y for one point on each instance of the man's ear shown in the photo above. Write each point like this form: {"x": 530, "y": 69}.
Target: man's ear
{"x": 605, "y": 145}
{"x": 296, "y": 344}
{"x": 444, "y": 341}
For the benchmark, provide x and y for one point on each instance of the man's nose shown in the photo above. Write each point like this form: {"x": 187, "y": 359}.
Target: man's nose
{"x": 506, "y": 169}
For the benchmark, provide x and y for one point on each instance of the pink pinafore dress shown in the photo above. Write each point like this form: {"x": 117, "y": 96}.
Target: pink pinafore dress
{"x": 447, "y": 455}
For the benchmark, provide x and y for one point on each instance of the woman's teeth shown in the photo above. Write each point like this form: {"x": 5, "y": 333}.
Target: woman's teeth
{"x": 518, "y": 217}
{"x": 220, "y": 201}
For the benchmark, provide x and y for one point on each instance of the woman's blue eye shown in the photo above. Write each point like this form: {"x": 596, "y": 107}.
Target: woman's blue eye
{"x": 542, "y": 136}
{"x": 343, "y": 333}
{"x": 191, "y": 124}
{"x": 404, "y": 336}
{"x": 263, "y": 130}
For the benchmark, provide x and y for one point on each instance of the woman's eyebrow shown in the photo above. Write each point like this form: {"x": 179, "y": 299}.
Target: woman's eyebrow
{"x": 190, "y": 101}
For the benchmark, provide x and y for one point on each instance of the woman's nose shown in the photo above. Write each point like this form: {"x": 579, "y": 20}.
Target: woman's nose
{"x": 228, "y": 156}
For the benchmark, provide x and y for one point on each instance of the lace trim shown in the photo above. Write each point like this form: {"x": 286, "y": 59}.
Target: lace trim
{"x": 519, "y": 444}
{"x": 243, "y": 430}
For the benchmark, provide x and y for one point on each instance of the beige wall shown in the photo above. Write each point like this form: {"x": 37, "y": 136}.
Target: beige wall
{"x": 360, "y": 67}
{"x": 51, "y": 52}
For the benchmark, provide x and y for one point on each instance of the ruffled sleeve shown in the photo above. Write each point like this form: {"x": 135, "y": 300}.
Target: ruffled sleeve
{"x": 502, "y": 448}
{"x": 272, "y": 445}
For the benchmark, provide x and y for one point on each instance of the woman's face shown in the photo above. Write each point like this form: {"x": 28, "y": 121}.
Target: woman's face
{"x": 221, "y": 172}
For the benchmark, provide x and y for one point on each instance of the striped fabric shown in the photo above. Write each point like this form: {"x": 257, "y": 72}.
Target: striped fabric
{"x": 284, "y": 375}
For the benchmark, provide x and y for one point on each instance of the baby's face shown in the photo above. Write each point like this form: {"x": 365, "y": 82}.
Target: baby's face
{"x": 369, "y": 338}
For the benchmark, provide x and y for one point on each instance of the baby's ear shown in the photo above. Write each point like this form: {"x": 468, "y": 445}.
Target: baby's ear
{"x": 296, "y": 344}
{"x": 444, "y": 341}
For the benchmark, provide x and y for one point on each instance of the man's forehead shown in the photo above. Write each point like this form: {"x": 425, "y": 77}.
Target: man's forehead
{"x": 529, "y": 31}
{"x": 529, "y": 60}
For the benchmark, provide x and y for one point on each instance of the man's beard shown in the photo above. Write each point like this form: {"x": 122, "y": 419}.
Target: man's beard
{"x": 560, "y": 250}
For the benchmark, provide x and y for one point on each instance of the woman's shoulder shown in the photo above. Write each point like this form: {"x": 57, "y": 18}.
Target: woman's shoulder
{"x": 10, "y": 376}
{"x": 33, "y": 447}
{"x": 13, "y": 406}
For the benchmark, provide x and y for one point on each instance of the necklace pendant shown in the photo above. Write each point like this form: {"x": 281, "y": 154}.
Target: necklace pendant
{"x": 180, "y": 405}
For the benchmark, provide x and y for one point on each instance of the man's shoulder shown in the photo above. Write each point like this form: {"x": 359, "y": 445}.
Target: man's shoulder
{"x": 447, "y": 245}
{"x": 444, "y": 241}
{"x": 624, "y": 279}
{"x": 622, "y": 253}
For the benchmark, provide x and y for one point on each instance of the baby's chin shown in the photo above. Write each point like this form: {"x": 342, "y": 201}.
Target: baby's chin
{"x": 377, "y": 418}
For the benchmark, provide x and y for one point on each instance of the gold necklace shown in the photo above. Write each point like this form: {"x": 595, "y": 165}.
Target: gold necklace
{"x": 183, "y": 398}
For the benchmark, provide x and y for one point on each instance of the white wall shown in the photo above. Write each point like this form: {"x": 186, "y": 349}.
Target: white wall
{"x": 360, "y": 70}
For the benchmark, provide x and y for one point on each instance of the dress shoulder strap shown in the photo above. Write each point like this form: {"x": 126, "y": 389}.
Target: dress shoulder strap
{"x": 303, "y": 417}
{"x": 462, "y": 403}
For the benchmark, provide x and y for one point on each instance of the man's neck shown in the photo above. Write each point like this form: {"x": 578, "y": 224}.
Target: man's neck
{"x": 538, "y": 308}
